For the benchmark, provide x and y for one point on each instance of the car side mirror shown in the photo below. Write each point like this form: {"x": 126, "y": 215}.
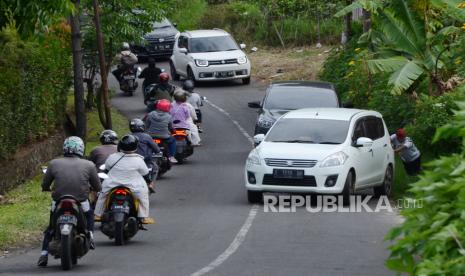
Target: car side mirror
{"x": 348, "y": 105}
{"x": 363, "y": 142}
{"x": 257, "y": 139}
{"x": 242, "y": 45}
{"x": 254, "y": 105}
{"x": 183, "y": 50}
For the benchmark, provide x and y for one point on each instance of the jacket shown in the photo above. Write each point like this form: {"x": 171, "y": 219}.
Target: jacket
{"x": 100, "y": 154}
{"x": 180, "y": 112}
{"x": 125, "y": 170}
{"x": 71, "y": 176}
{"x": 159, "y": 124}
{"x": 146, "y": 145}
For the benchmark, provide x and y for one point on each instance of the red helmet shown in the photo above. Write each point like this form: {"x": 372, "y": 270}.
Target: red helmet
{"x": 164, "y": 77}
{"x": 163, "y": 105}
{"x": 400, "y": 133}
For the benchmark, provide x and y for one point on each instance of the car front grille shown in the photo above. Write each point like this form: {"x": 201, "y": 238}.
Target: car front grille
{"x": 220, "y": 62}
{"x": 307, "y": 181}
{"x": 156, "y": 40}
{"x": 297, "y": 163}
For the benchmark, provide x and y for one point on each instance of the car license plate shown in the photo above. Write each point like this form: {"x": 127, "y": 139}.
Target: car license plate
{"x": 67, "y": 219}
{"x": 129, "y": 77}
{"x": 288, "y": 174}
{"x": 167, "y": 46}
{"x": 224, "y": 74}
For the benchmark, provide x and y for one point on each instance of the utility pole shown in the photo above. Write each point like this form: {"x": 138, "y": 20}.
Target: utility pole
{"x": 103, "y": 71}
{"x": 79, "y": 102}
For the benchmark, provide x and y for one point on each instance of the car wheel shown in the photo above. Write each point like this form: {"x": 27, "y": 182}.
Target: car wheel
{"x": 190, "y": 74}
{"x": 254, "y": 197}
{"x": 386, "y": 188}
{"x": 349, "y": 189}
{"x": 246, "y": 80}
{"x": 174, "y": 75}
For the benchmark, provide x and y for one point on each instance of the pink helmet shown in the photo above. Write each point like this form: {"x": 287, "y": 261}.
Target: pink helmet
{"x": 163, "y": 105}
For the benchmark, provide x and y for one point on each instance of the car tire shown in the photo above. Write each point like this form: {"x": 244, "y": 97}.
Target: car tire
{"x": 246, "y": 81}
{"x": 190, "y": 74}
{"x": 254, "y": 197}
{"x": 174, "y": 75}
{"x": 386, "y": 188}
{"x": 348, "y": 189}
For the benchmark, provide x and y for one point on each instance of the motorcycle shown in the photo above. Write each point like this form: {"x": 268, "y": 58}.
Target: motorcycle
{"x": 162, "y": 159}
{"x": 184, "y": 147}
{"x": 119, "y": 220}
{"x": 128, "y": 82}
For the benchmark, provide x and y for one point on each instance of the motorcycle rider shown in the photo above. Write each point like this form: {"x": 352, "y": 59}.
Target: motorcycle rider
{"x": 70, "y": 175}
{"x": 146, "y": 148}
{"x": 124, "y": 59}
{"x": 163, "y": 90}
{"x": 180, "y": 111}
{"x": 159, "y": 125}
{"x": 151, "y": 74}
{"x": 127, "y": 168}
{"x": 195, "y": 100}
{"x": 108, "y": 139}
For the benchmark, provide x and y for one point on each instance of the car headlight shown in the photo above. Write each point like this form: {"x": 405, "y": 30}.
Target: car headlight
{"x": 253, "y": 158}
{"x": 242, "y": 60}
{"x": 201, "y": 62}
{"x": 265, "y": 122}
{"x": 335, "y": 159}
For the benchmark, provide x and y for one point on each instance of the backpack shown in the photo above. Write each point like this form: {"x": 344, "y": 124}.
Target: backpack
{"x": 128, "y": 58}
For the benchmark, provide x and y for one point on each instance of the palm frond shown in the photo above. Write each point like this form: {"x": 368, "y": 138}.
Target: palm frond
{"x": 404, "y": 77}
{"x": 408, "y": 17}
{"x": 386, "y": 64}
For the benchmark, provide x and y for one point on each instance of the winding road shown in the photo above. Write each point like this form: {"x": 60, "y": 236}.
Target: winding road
{"x": 205, "y": 225}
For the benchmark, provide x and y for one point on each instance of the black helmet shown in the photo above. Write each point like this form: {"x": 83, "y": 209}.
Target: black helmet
{"x": 180, "y": 96}
{"x": 137, "y": 125}
{"x": 108, "y": 136}
{"x": 188, "y": 85}
{"x": 128, "y": 143}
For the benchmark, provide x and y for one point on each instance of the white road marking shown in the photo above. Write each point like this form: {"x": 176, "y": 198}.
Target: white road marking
{"x": 240, "y": 237}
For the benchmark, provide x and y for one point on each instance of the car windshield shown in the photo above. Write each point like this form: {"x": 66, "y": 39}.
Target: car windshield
{"x": 163, "y": 24}
{"x": 212, "y": 44}
{"x": 290, "y": 98}
{"x": 311, "y": 131}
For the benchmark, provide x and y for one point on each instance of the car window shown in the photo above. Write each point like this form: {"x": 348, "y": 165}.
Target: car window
{"x": 374, "y": 128}
{"x": 165, "y": 23}
{"x": 359, "y": 131}
{"x": 212, "y": 44}
{"x": 312, "y": 131}
{"x": 290, "y": 98}
{"x": 182, "y": 42}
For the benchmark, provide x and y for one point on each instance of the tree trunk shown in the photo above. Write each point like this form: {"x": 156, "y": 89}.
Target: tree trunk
{"x": 366, "y": 21}
{"x": 348, "y": 23}
{"x": 104, "y": 87}
{"x": 79, "y": 101}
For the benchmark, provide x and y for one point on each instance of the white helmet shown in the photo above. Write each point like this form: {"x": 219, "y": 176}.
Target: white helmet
{"x": 125, "y": 46}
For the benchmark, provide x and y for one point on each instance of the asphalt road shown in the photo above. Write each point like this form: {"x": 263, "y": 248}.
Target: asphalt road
{"x": 206, "y": 227}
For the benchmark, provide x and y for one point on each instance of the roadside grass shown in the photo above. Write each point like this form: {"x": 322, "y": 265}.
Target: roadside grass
{"x": 300, "y": 63}
{"x": 24, "y": 211}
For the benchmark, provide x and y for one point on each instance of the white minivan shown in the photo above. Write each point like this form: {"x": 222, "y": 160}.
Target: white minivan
{"x": 324, "y": 151}
{"x": 209, "y": 55}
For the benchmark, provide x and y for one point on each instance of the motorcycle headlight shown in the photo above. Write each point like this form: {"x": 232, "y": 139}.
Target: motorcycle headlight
{"x": 265, "y": 122}
{"x": 253, "y": 159}
{"x": 242, "y": 60}
{"x": 201, "y": 62}
{"x": 335, "y": 159}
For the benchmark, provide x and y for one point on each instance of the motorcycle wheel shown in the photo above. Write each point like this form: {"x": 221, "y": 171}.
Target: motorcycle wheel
{"x": 66, "y": 252}
{"x": 179, "y": 158}
{"x": 119, "y": 233}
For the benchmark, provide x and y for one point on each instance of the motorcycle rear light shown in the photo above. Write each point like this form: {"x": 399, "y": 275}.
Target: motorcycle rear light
{"x": 121, "y": 192}
{"x": 158, "y": 141}
{"x": 67, "y": 213}
{"x": 180, "y": 133}
{"x": 66, "y": 204}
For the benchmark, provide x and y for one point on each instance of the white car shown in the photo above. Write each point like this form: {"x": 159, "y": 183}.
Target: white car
{"x": 324, "y": 151}
{"x": 209, "y": 55}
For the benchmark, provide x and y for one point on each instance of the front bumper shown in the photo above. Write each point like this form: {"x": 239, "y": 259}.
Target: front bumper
{"x": 315, "y": 179}
{"x": 153, "y": 50}
{"x": 222, "y": 72}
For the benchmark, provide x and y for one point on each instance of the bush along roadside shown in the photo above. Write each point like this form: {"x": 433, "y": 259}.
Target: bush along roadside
{"x": 431, "y": 240}
{"x": 24, "y": 211}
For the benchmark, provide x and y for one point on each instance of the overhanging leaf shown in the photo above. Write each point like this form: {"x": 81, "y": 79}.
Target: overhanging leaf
{"x": 403, "y": 78}
{"x": 386, "y": 64}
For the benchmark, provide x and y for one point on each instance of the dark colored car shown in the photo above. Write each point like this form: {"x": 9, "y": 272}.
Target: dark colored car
{"x": 159, "y": 42}
{"x": 284, "y": 96}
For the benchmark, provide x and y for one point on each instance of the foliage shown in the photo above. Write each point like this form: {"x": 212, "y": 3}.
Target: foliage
{"x": 31, "y": 16}
{"x": 33, "y": 85}
{"x": 431, "y": 240}
{"x": 187, "y": 14}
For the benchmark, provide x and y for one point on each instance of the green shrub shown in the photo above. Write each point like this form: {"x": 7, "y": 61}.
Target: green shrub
{"x": 33, "y": 85}
{"x": 431, "y": 240}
